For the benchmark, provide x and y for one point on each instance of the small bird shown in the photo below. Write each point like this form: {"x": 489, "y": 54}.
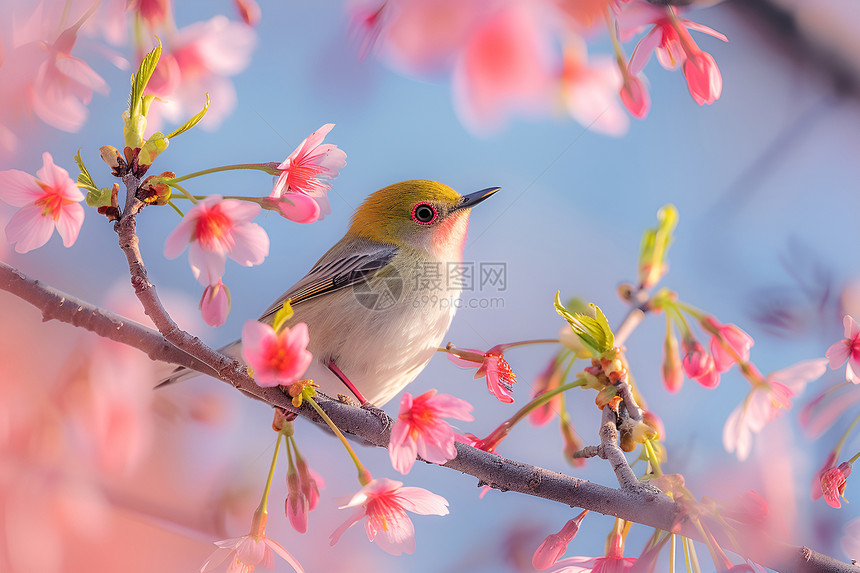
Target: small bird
{"x": 380, "y": 301}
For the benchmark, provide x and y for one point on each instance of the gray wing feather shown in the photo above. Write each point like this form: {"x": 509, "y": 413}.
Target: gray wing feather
{"x": 337, "y": 269}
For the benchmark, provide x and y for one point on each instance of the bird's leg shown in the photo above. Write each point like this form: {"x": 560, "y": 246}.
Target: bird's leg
{"x": 365, "y": 405}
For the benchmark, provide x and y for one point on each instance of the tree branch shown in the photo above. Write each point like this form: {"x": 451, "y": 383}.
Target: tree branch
{"x": 648, "y": 508}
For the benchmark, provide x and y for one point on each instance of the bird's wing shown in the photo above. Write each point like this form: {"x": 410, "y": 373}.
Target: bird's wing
{"x": 337, "y": 269}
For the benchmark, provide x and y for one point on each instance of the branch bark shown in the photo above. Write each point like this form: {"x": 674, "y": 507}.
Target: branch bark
{"x": 648, "y": 508}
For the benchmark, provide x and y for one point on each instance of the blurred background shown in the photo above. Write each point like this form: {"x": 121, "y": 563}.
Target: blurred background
{"x": 96, "y": 477}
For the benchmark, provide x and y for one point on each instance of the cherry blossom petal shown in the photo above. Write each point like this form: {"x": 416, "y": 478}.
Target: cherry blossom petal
{"x": 28, "y": 229}
{"x": 18, "y": 188}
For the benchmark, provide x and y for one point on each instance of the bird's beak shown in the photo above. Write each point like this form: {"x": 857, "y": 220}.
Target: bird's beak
{"x": 472, "y": 199}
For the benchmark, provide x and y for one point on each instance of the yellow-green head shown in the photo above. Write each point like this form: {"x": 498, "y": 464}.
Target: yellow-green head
{"x": 420, "y": 214}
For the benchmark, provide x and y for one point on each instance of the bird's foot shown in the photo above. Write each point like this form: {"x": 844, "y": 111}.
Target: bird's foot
{"x": 379, "y": 413}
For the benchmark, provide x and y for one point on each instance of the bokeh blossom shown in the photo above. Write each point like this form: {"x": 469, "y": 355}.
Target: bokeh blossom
{"x": 48, "y": 201}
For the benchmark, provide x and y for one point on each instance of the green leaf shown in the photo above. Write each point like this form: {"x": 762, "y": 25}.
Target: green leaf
{"x": 193, "y": 121}
{"x": 99, "y": 197}
{"x": 152, "y": 147}
{"x": 284, "y": 314}
{"x": 591, "y": 328}
{"x": 141, "y": 78}
{"x": 85, "y": 180}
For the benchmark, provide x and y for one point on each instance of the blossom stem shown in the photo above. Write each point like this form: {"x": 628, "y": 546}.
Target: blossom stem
{"x": 364, "y": 476}
{"x": 267, "y": 167}
{"x": 261, "y": 513}
{"x": 620, "y": 57}
{"x": 496, "y": 436}
{"x": 841, "y": 442}
{"x": 854, "y": 458}
{"x": 184, "y": 191}
{"x": 175, "y": 208}
{"x": 673, "y": 546}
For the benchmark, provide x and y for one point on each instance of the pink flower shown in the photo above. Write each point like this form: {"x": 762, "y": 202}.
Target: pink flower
{"x": 672, "y": 368}
{"x": 728, "y": 344}
{"x": 504, "y": 68}
{"x": 385, "y": 502}
{"x": 590, "y": 92}
{"x": 549, "y": 379}
{"x": 217, "y": 228}
{"x": 607, "y": 564}
{"x": 297, "y": 504}
{"x": 555, "y": 544}
{"x": 215, "y": 304}
{"x": 698, "y": 364}
{"x": 420, "y": 429}
{"x": 203, "y": 56}
{"x": 247, "y": 552}
{"x": 293, "y": 206}
{"x": 703, "y": 78}
{"x": 847, "y": 350}
{"x": 500, "y": 376}
{"x": 48, "y": 201}
{"x": 309, "y": 167}
{"x": 634, "y": 96}
{"x": 303, "y": 494}
{"x": 851, "y": 540}
{"x": 670, "y": 39}
{"x": 277, "y": 358}
{"x": 833, "y": 483}
{"x": 815, "y": 491}
{"x": 766, "y": 400}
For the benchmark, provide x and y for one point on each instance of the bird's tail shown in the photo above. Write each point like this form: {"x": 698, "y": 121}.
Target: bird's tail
{"x": 233, "y": 350}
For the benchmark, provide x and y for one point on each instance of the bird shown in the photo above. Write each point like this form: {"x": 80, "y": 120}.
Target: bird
{"x": 379, "y": 302}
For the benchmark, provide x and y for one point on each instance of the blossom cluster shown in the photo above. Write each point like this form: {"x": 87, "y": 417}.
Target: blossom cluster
{"x": 504, "y": 57}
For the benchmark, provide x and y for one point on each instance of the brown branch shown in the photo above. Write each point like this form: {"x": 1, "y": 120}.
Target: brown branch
{"x": 647, "y": 508}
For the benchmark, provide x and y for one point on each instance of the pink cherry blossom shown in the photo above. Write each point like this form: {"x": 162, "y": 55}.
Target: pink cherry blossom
{"x": 728, "y": 344}
{"x": 670, "y": 39}
{"x": 500, "y": 376}
{"x": 310, "y": 483}
{"x": 201, "y": 59}
{"x": 248, "y": 551}
{"x": 505, "y": 67}
{"x": 847, "y": 350}
{"x": 698, "y": 364}
{"x": 833, "y": 483}
{"x": 590, "y": 92}
{"x": 547, "y": 380}
{"x": 297, "y": 504}
{"x": 308, "y": 168}
{"x": 634, "y": 96}
{"x": 217, "y": 228}
{"x": 815, "y": 492}
{"x": 215, "y": 304}
{"x": 672, "y": 368}
{"x": 277, "y": 358}
{"x": 48, "y": 201}
{"x": 293, "y": 206}
{"x": 607, "y": 564}
{"x": 766, "y": 401}
{"x": 420, "y": 429}
{"x": 554, "y": 546}
{"x": 703, "y": 78}
{"x": 384, "y": 503}
{"x": 851, "y": 539}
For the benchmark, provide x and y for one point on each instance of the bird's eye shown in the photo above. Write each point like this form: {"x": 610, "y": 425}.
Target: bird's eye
{"x": 424, "y": 213}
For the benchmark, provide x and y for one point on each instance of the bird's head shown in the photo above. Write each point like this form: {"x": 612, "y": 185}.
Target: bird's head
{"x": 420, "y": 214}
